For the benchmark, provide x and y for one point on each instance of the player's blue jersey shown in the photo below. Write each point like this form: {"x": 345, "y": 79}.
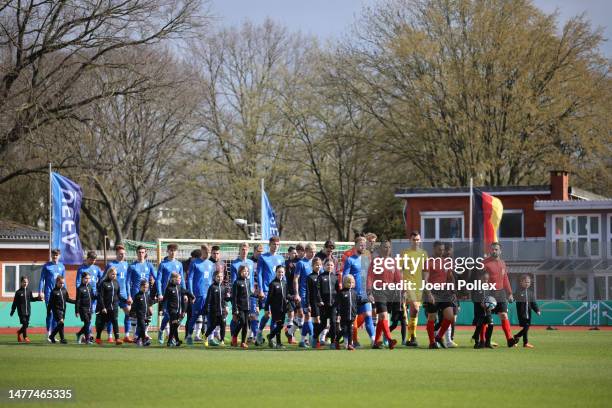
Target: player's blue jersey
{"x": 266, "y": 267}
{"x": 237, "y": 263}
{"x": 303, "y": 268}
{"x": 122, "y": 268}
{"x": 95, "y": 276}
{"x": 166, "y": 267}
{"x": 137, "y": 272}
{"x": 352, "y": 266}
{"x": 201, "y": 276}
{"x": 48, "y": 274}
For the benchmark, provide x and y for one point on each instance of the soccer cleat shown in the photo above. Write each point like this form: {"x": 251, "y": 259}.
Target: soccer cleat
{"x": 178, "y": 343}
{"x": 147, "y": 343}
{"x": 280, "y": 346}
{"x": 189, "y": 340}
{"x": 528, "y": 345}
{"x": 52, "y": 339}
{"x": 110, "y": 340}
{"x": 337, "y": 345}
{"x": 385, "y": 342}
{"x": 49, "y": 337}
{"x": 213, "y": 342}
{"x": 259, "y": 340}
{"x": 479, "y": 345}
{"x": 244, "y": 346}
{"x": 160, "y": 337}
{"x": 222, "y": 343}
{"x": 78, "y": 339}
{"x": 412, "y": 342}
{"x": 451, "y": 344}
{"x": 350, "y": 347}
{"x": 127, "y": 339}
{"x": 302, "y": 344}
{"x": 234, "y": 341}
{"x": 99, "y": 342}
{"x": 250, "y": 340}
{"x": 440, "y": 343}
{"x": 138, "y": 343}
{"x": 392, "y": 344}
{"x": 377, "y": 346}
{"x": 27, "y": 339}
{"x": 170, "y": 344}
{"x": 512, "y": 342}
{"x": 494, "y": 344}
{"x": 319, "y": 346}
{"x": 488, "y": 345}
{"x": 19, "y": 337}
{"x": 356, "y": 344}
{"x": 434, "y": 346}
{"x": 63, "y": 341}
{"x": 291, "y": 340}
{"x": 205, "y": 342}
{"x": 118, "y": 342}
{"x": 270, "y": 343}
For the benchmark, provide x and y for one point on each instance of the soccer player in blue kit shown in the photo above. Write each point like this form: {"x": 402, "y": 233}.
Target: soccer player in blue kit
{"x": 303, "y": 269}
{"x": 95, "y": 276}
{"x": 234, "y": 268}
{"x": 138, "y": 271}
{"x": 121, "y": 266}
{"x": 166, "y": 267}
{"x": 200, "y": 277}
{"x": 48, "y": 275}
{"x": 353, "y": 266}
{"x": 266, "y": 273}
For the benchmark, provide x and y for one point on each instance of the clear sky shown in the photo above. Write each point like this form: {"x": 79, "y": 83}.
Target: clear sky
{"x": 329, "y": 19}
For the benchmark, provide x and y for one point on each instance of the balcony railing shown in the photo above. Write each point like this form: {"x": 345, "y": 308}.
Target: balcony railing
{"x": 527, "y": 250}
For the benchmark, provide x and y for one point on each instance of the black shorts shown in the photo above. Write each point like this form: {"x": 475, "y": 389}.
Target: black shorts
{"x": 381, "y": 307}
{"x": 314, "y": 311}
{"x": 291, "y": 306}
{"x": 502, "y": 307}
{"x": 395, "y": 307}
{"x": 278, "y": 316}
{"x": 434, "y": 307}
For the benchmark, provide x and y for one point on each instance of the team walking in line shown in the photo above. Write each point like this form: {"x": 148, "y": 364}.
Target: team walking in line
{"x": 310, "y": 294}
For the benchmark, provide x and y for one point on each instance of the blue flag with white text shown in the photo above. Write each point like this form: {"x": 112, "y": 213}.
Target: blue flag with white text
{"x": 66, "y": 197}
{"x": 268, "y": 219}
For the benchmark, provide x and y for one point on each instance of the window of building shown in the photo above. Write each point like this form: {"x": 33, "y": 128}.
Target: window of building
{"x": 610, "y": 235}
{"x": 511, "y": 225}
{"x": 442, "y": 225}
{"x": 12, "y": 273}
{"x": 576, "y": 236}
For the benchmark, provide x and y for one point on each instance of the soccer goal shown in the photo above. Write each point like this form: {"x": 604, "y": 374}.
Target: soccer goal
{"x": 229, "y": 247}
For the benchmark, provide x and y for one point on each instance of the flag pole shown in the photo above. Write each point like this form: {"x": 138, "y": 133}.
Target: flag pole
{"x": 261, "y": 213}
{"x": 471, "y": 205}
{"x": 50, "y": 211}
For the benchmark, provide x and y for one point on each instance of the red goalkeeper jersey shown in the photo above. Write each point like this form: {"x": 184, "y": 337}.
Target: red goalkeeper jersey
{"x": 498, "y": 273}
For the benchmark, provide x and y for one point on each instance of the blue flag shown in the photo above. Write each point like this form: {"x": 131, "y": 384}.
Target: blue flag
{"x": 268, "y": 219}
{"x": 66, "y": 196}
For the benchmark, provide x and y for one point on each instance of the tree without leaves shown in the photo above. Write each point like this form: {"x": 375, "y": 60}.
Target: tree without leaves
{"x": 49, "y": 48}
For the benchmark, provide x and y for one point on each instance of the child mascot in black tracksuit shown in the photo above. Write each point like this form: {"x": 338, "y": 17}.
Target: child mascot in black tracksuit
{"x": 142, "y": 310}
{"x": 215, "y": 307}
{"x": 482, "y": 316}
{"x": 241, "y": 296}
{"x": 525, "y": 303}
{"x": 347, "y": 303}
{"x": 327, "y": 290}
{"x": 175, "y": 304}
{"x": 276, "y": 303}
{"x": 21, "y": 303}
{"x": 107, "y": 307}
{"x": 57, "y": 305}
{"x": 82, "y": 307}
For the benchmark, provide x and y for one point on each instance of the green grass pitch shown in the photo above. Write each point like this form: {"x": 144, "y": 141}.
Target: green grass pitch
{"x": 567, "y": 368}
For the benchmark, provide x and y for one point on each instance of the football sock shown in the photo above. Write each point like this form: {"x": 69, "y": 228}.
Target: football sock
{"x": 443, "y": 327}
{"x": 483, "y": 332}
{"x": 263, "y": 322}
{"x": 403, "y": 329}
{"x": 430, "y": 331}
{"x": 369, "y": 324}
{"x": 127, "y": 324}
{"x": 489, "y": 333}
{"x": 412, "y": 324}
{"x": 505, "y": 323}
{"x": 254, "y": 327}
